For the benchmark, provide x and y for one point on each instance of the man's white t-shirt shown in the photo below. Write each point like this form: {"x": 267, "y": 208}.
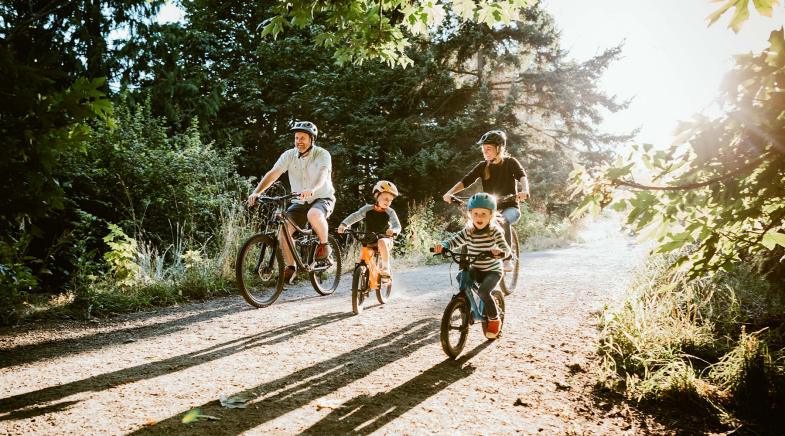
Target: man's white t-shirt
{"x": 304, "y": 171}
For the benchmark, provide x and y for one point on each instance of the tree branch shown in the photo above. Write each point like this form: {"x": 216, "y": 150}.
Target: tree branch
{"x": 689, "y": 186}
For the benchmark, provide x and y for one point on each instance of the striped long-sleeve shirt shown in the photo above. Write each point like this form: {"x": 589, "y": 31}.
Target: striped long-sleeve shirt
{"x": 479, "y": 241}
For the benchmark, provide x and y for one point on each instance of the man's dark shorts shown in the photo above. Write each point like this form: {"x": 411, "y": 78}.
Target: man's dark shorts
{"x": 299, "y": 212}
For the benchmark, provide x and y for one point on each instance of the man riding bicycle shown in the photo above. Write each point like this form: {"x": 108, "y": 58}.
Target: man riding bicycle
{"x": 309, "y": 168}
{"x": 499, "y": 173}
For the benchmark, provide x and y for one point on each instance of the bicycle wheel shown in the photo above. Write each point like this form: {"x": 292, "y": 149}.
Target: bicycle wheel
{"x": 499, "y": 298}
{"x": 509, "y": 282}
{"x": 359, "y": 287}
{"x": 327, "y": 275}
{"x": 385, "y": 287}
{"x": 455, "y": 326}
{"x": 259, "y": 270}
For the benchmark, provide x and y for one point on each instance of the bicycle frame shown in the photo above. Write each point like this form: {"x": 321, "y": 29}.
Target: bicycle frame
{"x": 280, "y": 223}
{"x": 366, "y": 257}
{"x": 469, "y": 287}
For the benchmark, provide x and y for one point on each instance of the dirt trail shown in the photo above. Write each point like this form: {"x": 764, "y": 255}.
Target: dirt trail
{"x": 307, "y": 365}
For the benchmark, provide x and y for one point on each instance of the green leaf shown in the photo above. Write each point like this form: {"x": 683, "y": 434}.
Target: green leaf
{"x": 616, "y": 173}
{"x": 776, "y": 50}
{"x": 464, "y": 8}
{"x": 718, "y": 13}
{"x": 764, "y": 7}
{"x": 740, "y": 16}
{"x": 772, "y": 238}
{"x": 191, "y": 416}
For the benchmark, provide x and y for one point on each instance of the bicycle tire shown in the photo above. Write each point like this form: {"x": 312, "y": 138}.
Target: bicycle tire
{"x": 260, "y": 281}
{"x": 326, "y": 282}
{"x": 453, "y": 346}
{"x": 510, "y": 280}
{"x": 359, "y": 286}
{"x": 384, "y": 292}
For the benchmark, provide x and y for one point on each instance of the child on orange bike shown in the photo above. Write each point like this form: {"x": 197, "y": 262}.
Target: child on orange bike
{"x": 482, "y": 234}
{"x": 379, "y": 218}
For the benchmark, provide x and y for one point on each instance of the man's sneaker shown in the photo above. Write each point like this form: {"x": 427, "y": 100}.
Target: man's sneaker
{"x": 288, "y": 274}
{"x": 507, "y": 265}
{"x": 323, "y": 251}
{"x": 492, "y": 329}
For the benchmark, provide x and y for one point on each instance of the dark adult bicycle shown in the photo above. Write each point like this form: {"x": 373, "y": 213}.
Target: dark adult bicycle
{"x": 366, "y": 277}
{"x": 260, "y": 264}
{"x": 466, "y": 308}
{"x": 509, "y": 282}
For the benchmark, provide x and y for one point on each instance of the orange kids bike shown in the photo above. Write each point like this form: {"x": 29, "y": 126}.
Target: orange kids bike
{"x": 366, "y": 277}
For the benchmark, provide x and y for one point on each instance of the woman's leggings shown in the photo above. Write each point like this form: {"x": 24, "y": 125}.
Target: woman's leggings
{"x": 511, "y": 216}
{"x": 487, "y": 281}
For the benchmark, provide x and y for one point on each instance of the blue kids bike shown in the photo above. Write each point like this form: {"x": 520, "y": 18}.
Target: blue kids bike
{"x": 465, "y": 307}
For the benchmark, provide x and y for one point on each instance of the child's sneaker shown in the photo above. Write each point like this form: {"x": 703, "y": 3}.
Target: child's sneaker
{"x": 288, "y": 274}
{"x": 493, "y": 327}
{"x": 323, "y": 251}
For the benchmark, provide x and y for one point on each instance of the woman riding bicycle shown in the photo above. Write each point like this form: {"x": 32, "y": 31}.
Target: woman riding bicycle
{"x": 499, "y": 173}
{"x": 481, "y": 235}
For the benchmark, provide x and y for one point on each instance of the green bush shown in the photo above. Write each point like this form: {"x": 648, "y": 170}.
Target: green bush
{"x": 674, "y": 339}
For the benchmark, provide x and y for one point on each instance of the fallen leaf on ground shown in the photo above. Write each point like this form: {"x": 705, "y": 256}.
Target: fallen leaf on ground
{"x": 235, "y": 402}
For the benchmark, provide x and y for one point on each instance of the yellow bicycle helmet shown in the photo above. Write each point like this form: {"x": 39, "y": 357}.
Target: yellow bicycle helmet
{"x": 385, "y": 186}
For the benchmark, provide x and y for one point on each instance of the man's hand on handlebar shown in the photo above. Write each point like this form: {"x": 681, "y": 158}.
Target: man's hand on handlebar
{"x": 252, "y": 199}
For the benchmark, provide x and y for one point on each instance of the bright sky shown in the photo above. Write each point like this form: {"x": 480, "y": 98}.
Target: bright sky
{"x": 672, "y": 63}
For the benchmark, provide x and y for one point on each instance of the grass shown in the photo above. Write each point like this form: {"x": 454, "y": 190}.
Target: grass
{"x": 140, "y": 276}
{"x": 714, "y": 344}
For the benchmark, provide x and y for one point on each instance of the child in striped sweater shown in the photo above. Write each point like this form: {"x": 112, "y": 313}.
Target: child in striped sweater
{"x": 480, "y": 235}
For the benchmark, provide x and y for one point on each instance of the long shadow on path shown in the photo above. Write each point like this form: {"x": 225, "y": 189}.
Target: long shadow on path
{"x": 278, "y": 397}
{"x": 364, "y": 414}
{"x": 162, "y": 367}
{"x": 96, "y": 341}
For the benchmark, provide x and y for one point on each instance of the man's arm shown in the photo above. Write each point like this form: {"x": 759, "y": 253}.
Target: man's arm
{"x": 265, "y": 183}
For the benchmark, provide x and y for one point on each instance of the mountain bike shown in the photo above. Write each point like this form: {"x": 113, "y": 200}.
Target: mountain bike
{"x": 509, "y": 282}
{"x": 466, "y": 307}
{"x": 260, "y": 264}
{"x": 366, "y": 277}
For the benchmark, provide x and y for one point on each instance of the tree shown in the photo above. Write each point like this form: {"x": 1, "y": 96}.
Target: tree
{"x": 720, "y": 189}
{"x": 360, "y": 30}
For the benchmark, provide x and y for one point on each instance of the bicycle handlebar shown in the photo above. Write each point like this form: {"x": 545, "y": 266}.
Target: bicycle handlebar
{"x": 470, "y": 258}
{"x": 279, "y": 198}
{"x": 362, "y": 235}
{"x": 462, "y": 201}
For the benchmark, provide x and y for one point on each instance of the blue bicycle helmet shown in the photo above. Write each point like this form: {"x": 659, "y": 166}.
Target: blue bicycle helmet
{"x": 482, "y": 200}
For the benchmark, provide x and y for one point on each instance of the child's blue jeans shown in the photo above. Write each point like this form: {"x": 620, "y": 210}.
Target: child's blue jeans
{"x": 487, "y": 281}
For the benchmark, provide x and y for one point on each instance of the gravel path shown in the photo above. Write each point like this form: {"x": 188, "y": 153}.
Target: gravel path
{"x": 307, "y": 365}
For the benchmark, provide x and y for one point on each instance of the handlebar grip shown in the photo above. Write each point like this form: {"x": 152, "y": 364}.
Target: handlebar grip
{"x": 431, "y": 249}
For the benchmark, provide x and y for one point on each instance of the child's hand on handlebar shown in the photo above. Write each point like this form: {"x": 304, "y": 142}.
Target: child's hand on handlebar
{"x": 390, "y": 233}
{"x": 438, "y": 248}
{"x": 341, "y": 229}
{"x": 496, "y": 252}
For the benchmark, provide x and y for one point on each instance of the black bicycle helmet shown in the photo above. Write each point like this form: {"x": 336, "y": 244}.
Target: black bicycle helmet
{"x": 495, "y": 137}
{"x": 307, "y": 127}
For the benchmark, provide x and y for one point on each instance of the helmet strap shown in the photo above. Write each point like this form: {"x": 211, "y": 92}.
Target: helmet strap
{"x": 305, "y": 153}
